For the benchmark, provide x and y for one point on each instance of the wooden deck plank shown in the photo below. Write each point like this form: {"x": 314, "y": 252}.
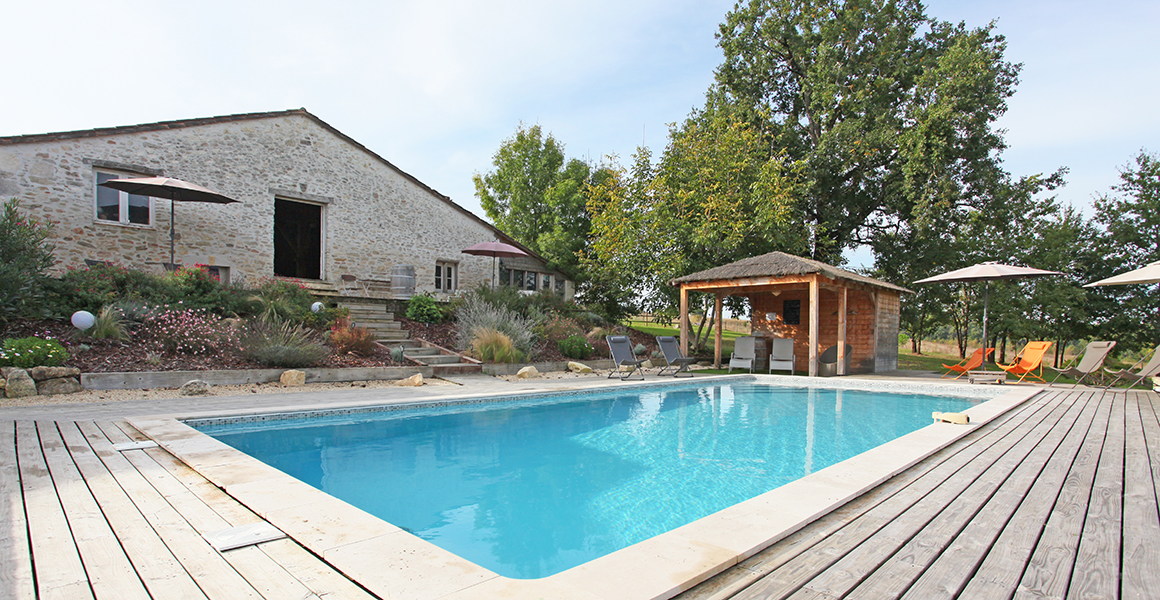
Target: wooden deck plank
{"x": 161, "y": 572}
{"x": 1141, "y": 530}
{"x": 1048, "y": 573}
{"x": 55, "y": 558}
{"x": 211, "y": 572}
{"x": 1002, "y": 568}
{"x": 1097, "y": 565}
{"x": 16, "y": 579}
{"x": 930, "y": 527}
{"x": 107, "y": 567}
{"x": 946, "y": 575}
{"x": 264, "y": 574}
{"x": 789, "y": 577}
{"x": 317, "y": 575}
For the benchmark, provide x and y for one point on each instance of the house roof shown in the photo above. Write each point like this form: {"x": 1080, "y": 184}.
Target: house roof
{"x": 301, "y": 112}
{"x": 780, "y": 264}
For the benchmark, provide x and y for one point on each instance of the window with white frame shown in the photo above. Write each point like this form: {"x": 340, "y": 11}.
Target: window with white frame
{"x": 115, "y": 206}
{"x": 446, "y": 276}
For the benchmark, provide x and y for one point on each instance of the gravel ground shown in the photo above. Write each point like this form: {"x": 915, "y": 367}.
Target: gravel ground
{"x": 217, "y": 390}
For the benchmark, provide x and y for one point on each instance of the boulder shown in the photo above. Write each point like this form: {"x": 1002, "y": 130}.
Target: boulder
{"x": 293, "y": 378}
{"x": 3, "y": 384}
{"x": 19, "y": 384}
{"x": 528, "y": 372}
{"x": 415, "y": 380}
{"x": 58, "y": 385}
{"x": 576, "y": 367}
{"x": 45, "y": 373}
{"x": 647, "y": 364}
{"x": 195, "y": 387}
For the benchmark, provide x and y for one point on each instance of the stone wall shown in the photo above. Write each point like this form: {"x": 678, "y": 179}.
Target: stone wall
{"x": 373, "y": 216}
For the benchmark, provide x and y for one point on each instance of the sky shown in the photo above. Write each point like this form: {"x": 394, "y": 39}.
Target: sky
{"x": 435, "y": 86}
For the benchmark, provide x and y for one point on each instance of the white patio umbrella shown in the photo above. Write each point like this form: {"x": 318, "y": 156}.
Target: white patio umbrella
{"x": 494, "y": 249}
{"x": 1146, "y": 274}
{"x": 987, "y": 272}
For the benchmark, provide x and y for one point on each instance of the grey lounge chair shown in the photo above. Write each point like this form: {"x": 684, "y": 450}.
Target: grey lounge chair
{"x": 672, "y": 351}
{"x": 742, "y": 357}
{"x": 1150, "y": 370}
{"x": 828, "y": 361}
{"x": 622, "y": 356}
{"x": 1086, "y": 363}
{"x": 781, "y": 355}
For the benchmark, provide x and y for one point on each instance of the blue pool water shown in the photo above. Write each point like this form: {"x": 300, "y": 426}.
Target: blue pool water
{"x": 531, "y": 488}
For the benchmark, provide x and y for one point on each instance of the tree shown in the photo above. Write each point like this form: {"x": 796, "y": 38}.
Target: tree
{"x": 1129, "y": 219}
{"x": 888, "y": 112}
{"x": 537, "y": 196}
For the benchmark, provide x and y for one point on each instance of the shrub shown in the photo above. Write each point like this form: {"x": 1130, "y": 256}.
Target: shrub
{"x": 492, "y": 345}
{"x": 188, "y": 331}
{"x": 282, "y": 344}
{"x": 558, "y": 327}
{"x": 424, "y": 309}
{"x": 25, "y": 254}
{"x": 346, "y": 339}
{"x": 575, "y": 346}
{"x": 639, "y": 349}
{"x": 91, "y": 288}
{"x": 109, "y": 324}
{"x": 29, "y": 352}
{"x": 476, "y": 314}
{"x": 397, "y": 354}
{"x": 135, "y": 312}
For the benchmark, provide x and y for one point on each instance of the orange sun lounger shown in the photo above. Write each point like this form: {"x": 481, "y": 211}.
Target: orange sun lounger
{"x": 972, "y": 362}
{"x": 1029, "y": 360}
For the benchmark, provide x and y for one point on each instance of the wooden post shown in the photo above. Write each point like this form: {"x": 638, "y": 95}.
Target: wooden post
{"x": 842, "y": 331}
{"x": 684, "y": 320}
{"x": 814, "y": 296}
{"x": 717, "y": 305}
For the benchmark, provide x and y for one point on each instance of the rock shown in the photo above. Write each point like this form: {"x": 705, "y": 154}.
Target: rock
{"x": 528, "y": 372}
{"x": 293, "y": 378}
{"x": 646, "y": 364}
{"x": 19, "y": 384}
{"x": 3, "y": 384}
{"x": 415, "y": 380}
{"x": 233, "y": 323}
{"x": 576, "y": 367}
{"x": 195, "y": 387}
{"x": 59, "y": 385}
{"x": 44, "y": 373}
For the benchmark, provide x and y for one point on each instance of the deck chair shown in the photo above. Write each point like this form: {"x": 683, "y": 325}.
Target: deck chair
{"x": 672, "y": 351}
{"x": 622, "y": 356}
{"x": 1150, "y": 370}
{"x": 743, "y": 351}
{"x": 1086, "y": 363}
{"x": 971, "y": 363}
{"x": 781, "y": 355}
{"x": 1029, "y": 360}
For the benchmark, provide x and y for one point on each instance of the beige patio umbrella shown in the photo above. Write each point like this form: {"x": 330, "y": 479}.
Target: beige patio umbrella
{"x": 494, "y": 249}
{"x": 987, "y": 272}
{"x": 1146, "y": 274}
{"x": 175, "y": 190}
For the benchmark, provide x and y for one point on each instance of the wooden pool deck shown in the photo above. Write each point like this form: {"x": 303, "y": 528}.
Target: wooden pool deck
{"x": 1057, "y": 499}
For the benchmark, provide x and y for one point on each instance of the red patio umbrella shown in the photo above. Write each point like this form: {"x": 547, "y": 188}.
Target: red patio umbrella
{"x": 494, "y": 249}
{"x": 175, "y": 190}
{"x": 986, "y": 272}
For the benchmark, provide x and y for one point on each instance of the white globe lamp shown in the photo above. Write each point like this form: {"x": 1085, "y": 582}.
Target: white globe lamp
{"x": 317, "y": 306}
{"x": 83, "y": 319}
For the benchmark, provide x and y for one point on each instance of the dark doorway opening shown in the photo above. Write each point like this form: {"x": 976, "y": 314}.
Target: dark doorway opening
{"x": 297, "y": 239}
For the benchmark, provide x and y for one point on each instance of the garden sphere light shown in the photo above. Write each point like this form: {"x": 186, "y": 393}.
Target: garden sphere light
{"x": 317, "y": 306}
{"x": 83, "y": 319}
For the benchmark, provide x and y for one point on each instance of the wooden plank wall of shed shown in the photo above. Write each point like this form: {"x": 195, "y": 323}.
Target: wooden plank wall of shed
{"x": 861, "y": 325}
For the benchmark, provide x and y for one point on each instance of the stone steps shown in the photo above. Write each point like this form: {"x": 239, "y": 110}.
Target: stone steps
{"x": 376, "y": 319}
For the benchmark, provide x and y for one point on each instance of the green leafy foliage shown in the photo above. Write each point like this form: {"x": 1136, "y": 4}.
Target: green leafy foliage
{"x": 25, "y": 254}
{"x": 424, "y": 309}
{"x": 575, "y": 346}
{"x": 109, "y": 324}
{"x": 29, "y": 352}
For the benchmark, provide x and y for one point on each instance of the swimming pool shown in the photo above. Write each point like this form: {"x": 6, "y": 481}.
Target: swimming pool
{"x": 529, "y": 488}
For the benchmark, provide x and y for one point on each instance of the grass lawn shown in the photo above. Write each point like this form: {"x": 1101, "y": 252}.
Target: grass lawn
{"x": 654, "y": 329}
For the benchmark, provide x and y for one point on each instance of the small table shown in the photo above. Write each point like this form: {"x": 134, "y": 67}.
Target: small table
{"x": 999, "y": 377}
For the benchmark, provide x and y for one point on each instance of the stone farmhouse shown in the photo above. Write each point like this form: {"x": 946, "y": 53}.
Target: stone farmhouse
{"x": 315, "y": 205}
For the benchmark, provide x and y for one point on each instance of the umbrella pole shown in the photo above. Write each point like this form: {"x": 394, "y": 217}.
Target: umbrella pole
{"x": 986, "y": 290}
{"x": 172, "y": 230}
